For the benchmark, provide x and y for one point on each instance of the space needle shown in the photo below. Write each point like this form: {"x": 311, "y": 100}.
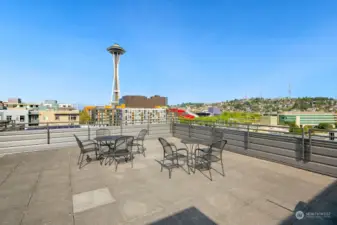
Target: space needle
{"x": 116, "y": 51}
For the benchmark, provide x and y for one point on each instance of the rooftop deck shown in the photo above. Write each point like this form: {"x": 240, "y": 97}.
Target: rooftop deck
{"x": 48, "y": 188}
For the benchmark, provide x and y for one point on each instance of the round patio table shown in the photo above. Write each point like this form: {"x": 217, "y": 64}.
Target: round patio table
{"x": 109, "y": 138}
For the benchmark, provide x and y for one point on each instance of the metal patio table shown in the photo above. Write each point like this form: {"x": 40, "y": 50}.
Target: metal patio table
{"x": 110, "y": 138}
{"x": 195, "y": 141}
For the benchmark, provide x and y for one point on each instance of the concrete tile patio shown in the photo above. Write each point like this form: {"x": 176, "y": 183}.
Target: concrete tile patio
{"x": 40, "y": 188}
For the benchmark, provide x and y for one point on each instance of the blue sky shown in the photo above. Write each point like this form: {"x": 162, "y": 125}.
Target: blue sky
{"x": 187, "y": 50}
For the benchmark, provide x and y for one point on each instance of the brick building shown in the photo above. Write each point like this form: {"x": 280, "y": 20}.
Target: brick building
{"x": 134, "y": 101}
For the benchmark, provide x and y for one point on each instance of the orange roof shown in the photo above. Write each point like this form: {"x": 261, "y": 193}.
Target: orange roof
{"x": 86, "y": 108}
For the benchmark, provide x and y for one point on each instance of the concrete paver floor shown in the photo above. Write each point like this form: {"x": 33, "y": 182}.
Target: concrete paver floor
{"x": 39, "y": 187}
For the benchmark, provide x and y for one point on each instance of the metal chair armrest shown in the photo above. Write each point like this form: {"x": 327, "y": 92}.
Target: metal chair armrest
{"x": 89, "y": 142}
{"x": 182, "y": 149}
{"x": 173, "y": 145}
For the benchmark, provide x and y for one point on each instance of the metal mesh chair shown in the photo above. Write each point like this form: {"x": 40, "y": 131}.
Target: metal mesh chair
{"x": 86, "y": 147}
{"x": 203, "y": 158}
{"x": 122, "y": 150}
{"x": 139, "y": 141}
{"x": 101, "y": 133}
{"x": 172, "y": 154}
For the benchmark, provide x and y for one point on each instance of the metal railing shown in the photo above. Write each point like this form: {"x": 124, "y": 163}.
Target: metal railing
{"x": 58, "y": 130}
{"x": 306, "y": 136}
{"x": 327, "y": 134}
{"x": 311, "y": 149}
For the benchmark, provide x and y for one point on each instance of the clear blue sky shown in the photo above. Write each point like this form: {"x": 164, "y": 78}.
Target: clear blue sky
{"x": 187, "y": 50}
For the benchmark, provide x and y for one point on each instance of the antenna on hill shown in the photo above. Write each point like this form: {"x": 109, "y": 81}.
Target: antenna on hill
{"x": 289, "y": 90}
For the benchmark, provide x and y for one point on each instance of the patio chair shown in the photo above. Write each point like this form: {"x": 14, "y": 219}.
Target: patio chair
{"x": 139, "y": 141}
{"x": 122, "y": 149}
{"x": 101, "y": 133}
{"x": 172, "y": 153}
{"x": 204, "y": 157}
{"x": 86, "y": 147}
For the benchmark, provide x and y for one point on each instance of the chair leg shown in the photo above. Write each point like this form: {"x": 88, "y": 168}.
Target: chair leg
{"x": 79, "y": 157}
{"x": 116, "y": 164}
{"x": 107, "y": 161}
{"x": 82, "y": 157}
{"x": 170, "y": 173}
{"x": 209, "y": 170}
{"x": 131, "y": 160}
{"x": 161, "y": 164}
{"x": 111, "y": 159}
{"x": 223, "y": 171}
{"x": 101, "y": 159}
{"x": 210, "y": 174}
{"x": 188, "y": 165}
{"x": 143, "y": 148}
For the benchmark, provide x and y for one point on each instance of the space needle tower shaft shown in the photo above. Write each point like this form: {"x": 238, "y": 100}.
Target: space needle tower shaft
{"x": 116, "y": 51}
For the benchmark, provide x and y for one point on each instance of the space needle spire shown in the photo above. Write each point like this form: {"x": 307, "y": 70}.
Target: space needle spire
{"x": 116, "y": 51}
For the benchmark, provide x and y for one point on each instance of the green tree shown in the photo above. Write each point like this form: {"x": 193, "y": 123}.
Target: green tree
{"x": 325, "y": 126}
{"x": 84, "y": 117}
{"x": 293, "y": 128}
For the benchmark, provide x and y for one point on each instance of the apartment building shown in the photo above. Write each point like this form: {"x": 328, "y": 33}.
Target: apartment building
{"x": 137, "y": 101}
{"x": 16, "y": 116}
{"x": 53, "y": 104}
{"x": 100, "y": 114}
{"x": 103, "y": 115}
{"x": 128, "y": 116}
{"x": 59, "y": 117}
{"x": 307, "y": 118}
{"x": 16, "y": 103}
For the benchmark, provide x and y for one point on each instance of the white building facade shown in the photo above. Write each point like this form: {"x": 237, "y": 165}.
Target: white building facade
{"x": 136, "y": 116}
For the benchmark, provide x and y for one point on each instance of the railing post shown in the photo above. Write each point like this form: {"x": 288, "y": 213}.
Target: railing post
{"x": 148, "y": 125}
{"x": 189, "y": 129}
{"x": 48, "y": 134}
{"x": 121, "y": 125}
{"x": 213, "y": 138}
{"x": 310, "y": 143}
{"x": 88, "y": 131}
{"x": 248, "y": 133}
{"x": 303, "y": 147}
{"x": 171, "y": 126}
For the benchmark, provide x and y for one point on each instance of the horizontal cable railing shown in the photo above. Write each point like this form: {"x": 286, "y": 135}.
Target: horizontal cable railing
{"x": 327, "y": 134}
{"x": 61, "y": 133}
{"x": 311, "y": 149}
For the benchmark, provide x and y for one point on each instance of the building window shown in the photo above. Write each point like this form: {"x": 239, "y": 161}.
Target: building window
{"x": 9, "y": 118}
{"x": 57, "y": 117}
{"x": 22, "y": 118}
{"x": 72, "y": 118}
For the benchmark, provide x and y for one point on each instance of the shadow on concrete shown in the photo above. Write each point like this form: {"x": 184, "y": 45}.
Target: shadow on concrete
{"x": 189, "y": 216}
{"x": 321, "y": 209}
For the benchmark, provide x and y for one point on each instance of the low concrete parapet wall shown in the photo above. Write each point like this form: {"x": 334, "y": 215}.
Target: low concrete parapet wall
{"x": 37, "y": 140}
{"x": 294, "y": 150}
